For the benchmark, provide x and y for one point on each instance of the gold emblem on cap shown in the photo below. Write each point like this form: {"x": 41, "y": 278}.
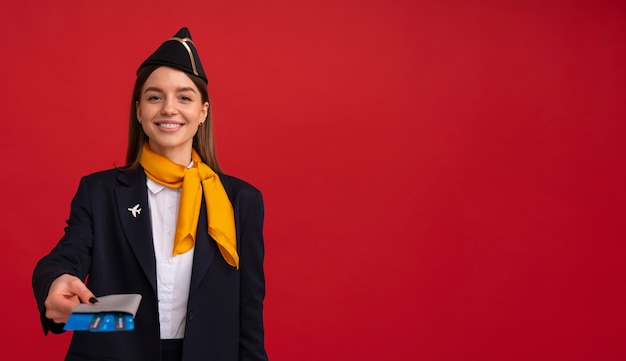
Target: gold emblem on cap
{"x": 184, "y": 41}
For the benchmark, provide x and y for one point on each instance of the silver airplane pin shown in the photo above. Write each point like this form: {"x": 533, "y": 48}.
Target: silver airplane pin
{"x": 135, "y": 210}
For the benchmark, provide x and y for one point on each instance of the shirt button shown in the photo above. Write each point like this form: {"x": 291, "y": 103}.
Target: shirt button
{"x": 164, "y": 319}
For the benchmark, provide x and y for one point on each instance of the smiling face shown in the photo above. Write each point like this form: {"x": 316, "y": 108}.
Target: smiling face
{"x": 170, "y": 109}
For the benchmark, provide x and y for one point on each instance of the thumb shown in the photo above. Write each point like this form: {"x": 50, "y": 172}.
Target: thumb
{"x": 83, "y": 293}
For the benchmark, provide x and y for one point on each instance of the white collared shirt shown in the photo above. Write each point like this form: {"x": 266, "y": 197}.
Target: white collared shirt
{"x": 173, "y": 273}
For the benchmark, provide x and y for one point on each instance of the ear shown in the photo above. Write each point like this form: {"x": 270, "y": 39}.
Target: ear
{"x": 204, "y": 112}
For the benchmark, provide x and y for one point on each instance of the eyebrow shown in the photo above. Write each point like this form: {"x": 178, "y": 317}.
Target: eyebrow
{"x": 178, "y": 90}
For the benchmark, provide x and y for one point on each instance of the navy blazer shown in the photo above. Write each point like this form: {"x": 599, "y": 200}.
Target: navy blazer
{"x": 114, "y": 251}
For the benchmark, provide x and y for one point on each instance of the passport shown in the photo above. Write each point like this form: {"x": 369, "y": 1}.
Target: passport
{"x": 111, "y": 313}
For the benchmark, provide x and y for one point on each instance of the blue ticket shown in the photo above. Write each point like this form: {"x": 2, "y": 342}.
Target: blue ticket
{"x": 110, "y": 313}
{"x": 100, "y": 322}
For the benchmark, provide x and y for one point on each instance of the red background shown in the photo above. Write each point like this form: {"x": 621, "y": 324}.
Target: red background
{"x": 443, "y": 180}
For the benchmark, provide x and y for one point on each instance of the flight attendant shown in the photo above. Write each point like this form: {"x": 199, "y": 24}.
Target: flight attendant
{"x": 170, "y": 226}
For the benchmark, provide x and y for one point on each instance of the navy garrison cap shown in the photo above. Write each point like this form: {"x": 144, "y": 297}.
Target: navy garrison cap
{"x": 177, "y": 52}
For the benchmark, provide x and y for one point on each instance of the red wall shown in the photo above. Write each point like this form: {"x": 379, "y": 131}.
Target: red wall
{"x": 444, "y": 180}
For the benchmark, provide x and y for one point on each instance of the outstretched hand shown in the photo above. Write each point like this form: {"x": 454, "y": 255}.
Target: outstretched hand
{"x": 65, "y": 293}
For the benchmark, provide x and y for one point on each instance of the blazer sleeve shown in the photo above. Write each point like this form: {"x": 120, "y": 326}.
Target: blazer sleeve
{"x": 71, "y": 255}
{"x": 251, "y": 344}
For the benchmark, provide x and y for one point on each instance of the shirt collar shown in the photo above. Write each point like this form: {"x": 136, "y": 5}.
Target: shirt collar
{"x": 153, "y": 186}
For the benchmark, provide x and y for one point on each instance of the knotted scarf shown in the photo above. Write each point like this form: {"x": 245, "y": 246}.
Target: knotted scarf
{"x": 193, "y": 182}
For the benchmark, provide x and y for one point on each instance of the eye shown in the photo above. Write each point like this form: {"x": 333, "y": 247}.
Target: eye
{"x": 185, "y": 98}
{"x": 153, "y": 98}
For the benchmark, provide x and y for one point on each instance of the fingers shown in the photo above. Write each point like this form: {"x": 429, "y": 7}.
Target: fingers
{"x": 65, "y": 293}
{"x": 59, "y": 308}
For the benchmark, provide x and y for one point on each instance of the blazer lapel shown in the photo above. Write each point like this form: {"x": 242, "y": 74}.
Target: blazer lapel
{"x": 134, "y": 213}
{"x": 204, "y": 252}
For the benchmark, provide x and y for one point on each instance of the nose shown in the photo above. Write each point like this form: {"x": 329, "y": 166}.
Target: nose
{"x": 169, "y": 107}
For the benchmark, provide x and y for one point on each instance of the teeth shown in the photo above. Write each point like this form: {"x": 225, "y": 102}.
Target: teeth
{"x": 169, "y": 125}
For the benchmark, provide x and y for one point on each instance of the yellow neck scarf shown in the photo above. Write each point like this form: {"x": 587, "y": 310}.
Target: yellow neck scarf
{"x": 193, "y": 181}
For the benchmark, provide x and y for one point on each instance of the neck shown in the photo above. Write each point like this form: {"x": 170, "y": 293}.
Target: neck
{"x": 177, "y": 155}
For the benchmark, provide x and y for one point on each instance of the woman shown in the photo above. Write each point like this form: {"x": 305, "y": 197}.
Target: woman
{"x": 165, "y": 226}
